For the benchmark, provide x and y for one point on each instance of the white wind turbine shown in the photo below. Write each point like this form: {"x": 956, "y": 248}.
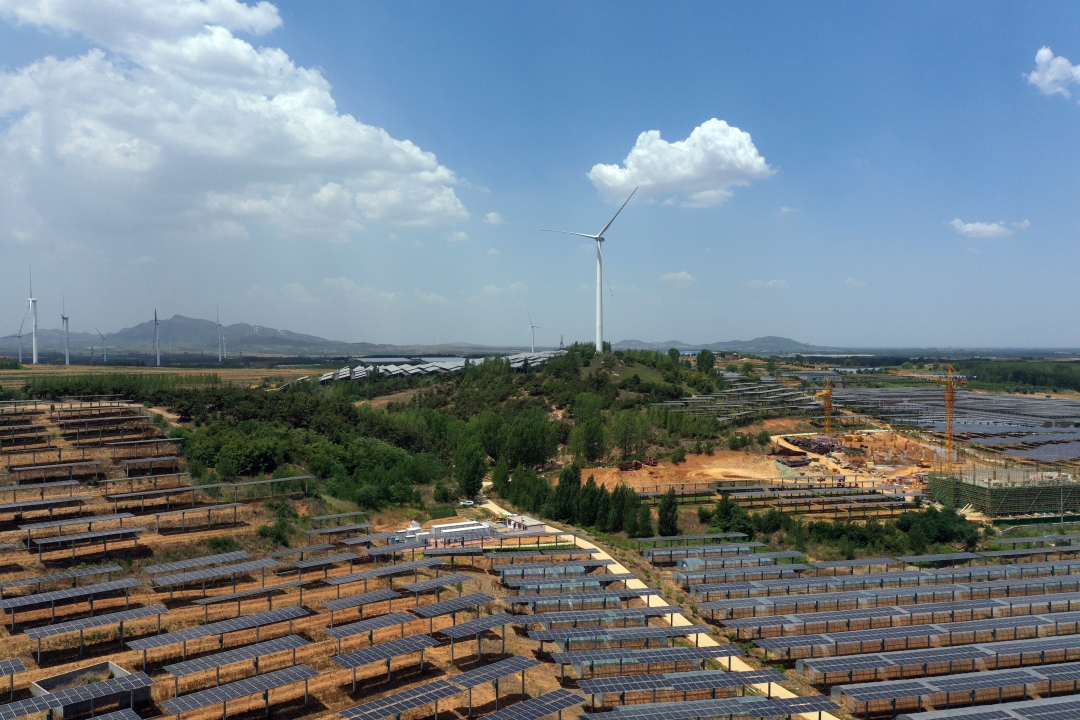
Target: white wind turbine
{"x": 157, "y": 339}
{"x": 20, "y": 336}
{"x": 67, "y": 333}
{"x": 220, "y": 339}
{"x": 104, "y": 347}
{"x": 532, "y": 329}
{"x": 33, "y": 316}
{"x": 599, "y": 238}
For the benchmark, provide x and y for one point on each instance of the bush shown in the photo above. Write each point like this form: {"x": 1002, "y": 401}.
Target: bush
{"x": 222, "y": 544}
{"x": 437, "y": 512}
{"x": 678, "y": 455}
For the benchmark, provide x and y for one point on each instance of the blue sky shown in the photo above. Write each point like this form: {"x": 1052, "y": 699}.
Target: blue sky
{"x": 907, "y": 183}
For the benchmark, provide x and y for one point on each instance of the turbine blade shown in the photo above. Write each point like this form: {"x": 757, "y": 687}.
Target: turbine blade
{"x": 530, "y": 317}
{"x": 528, "y": 331}
{"x": 601, "y": 234}
{"x": 603, "y": 267}
{"x": 567, "y": 232}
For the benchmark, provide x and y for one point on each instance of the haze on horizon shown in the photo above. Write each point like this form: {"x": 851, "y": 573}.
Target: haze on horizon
{"x": 867, "y": 176}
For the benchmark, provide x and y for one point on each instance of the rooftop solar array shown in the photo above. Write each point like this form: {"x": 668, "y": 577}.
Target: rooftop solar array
{"x": 95, "y": 621}
{"x": 400, "y": 702}
{"x": 384, "y": 571}
{"x": 489, "y": 673}
{"x": 385, "y": 651}
{"x": 651, "y": 656}
{"x": 479, "y": 625}
{"x": 65, "y": 575}
{"x": 197, "y": 562}
{"x": 369, "y": 625}
{"x": 245, "y": 622}
{"x": 679, "y": 681}
{"x": 71, "y": 594}
{"x": 603, "y": 634}
{"x": 81, "y": 693}
{"x": 1058, "y": 708}
{"x": 535, "y": 708}
{"x": 754, "y": 706}
{"x": 240, "y": 654}
{"x": 362, "y": 599}
{"x": 453, "y": 605}
{"x": 238, "y": 689}
{"x": 435, "y": 583}
{"x": 214, "y": 572}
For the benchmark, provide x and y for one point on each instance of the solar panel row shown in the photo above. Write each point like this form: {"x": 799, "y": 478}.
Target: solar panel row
{"x": 238, "y": 689}
{"x": 240, "y": 654}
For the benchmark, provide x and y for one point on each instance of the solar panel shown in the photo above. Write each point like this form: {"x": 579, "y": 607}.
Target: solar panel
{"x": 399, "y": 569}
{"x": 47, "y": 598}
{"x": 362, "y": 539}
{"x": 435, "y": 583}
{"x": 95, "y": 621}
{"x": 327, "y": 560}
{"x": 684, "y": 681}
{"x": 654, "y": 655}
{"x": 238, "y": 689}
{"x": 10, "y": 667}
{"x": 451, "y": 606}
{"x": 93, "y": 535}
{"x": 214, "y": 572}
{"x": 385, "y": 651}
{"x": 66, "y": 575}
{"x": 589, "y": 596}
{"x": 853, "y": 563}
{"x": 938, "y": 557}
{"x": 479, "y": 625}
{"x": 245, "y": 622}
{"x": 400, "y": 702}
{"x": 754, "y": 706}
{"x": 393, "y": 548}
{"x": 447, "y": 552}
{"x": 535, "y": 708}
{"x": 578, "y": 616}
{"x": 1057, "y": 708}
{"x": 603, "y": 634}
{"x": 554, "y": 566}
{"x": 254, "y": 592}
{"x": 563, "y": 581}
{"x": 361, "y": 599}
{"x": 125, "y": 714}
{"x": 248, "y": 652}
{"x": 197, "y": 562}
{"x": 490, "y": 673}
{"x": 369, "y": 625}
{"x": 301, "y": 550}
{"x": 85, "y": 520}
{"x": 70, "y": 696}
{"x": 44, "y": 504}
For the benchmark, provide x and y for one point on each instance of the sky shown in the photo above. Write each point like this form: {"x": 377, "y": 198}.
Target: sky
{"x": 843, "y": 174}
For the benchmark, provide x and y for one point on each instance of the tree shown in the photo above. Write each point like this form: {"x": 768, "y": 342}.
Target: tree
{"x": 587, "y": 440}
{"x": 500, "y": 478}
{"x": 531, "y": 438}
{"x": 605, "y": 346}
{"x": 629, "y": 431}
{"x": 603, "y": 507}
{"x": 705, "y": 361}
{"x": 643, "y": 527}
{"x": 771, "y": 365}
{"x": 588, "y": 502}
{"x": 747, "y": 368}
{"x": 470, "y": 467}
{"x": 675, "y": 355}
{"x": 565, "y": 498}
{"x": 668, "y": 521}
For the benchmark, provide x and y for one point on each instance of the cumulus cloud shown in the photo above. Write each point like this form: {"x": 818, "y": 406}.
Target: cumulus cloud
{"x": 768, "y": 283}
{"x": 979, "y": 229}
{"x": 172, "y": 121}
{"x": 458, "y": 236}
{"x": 1052, "y": 75}
{"x": 430, "y": 297}
{"x": 500, "y": 289}
{"x": 1022, "y": 225}
{"x": 679, "y": 278}
{"x": 494, "y": 218}
{"x": 698, "y": 171}
{"x": 786, "y": 210}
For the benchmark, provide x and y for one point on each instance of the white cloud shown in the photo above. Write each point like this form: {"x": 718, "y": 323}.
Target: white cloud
{"x": 700, "y": 169}
{"x": 144, "y": 260}
{"x": 494, "y": 218}
{"x": 679, "y": 278}
{"x": 768, "y": 283}
{"x": 458, "y": 236}
{"x": 853, "y": 283}
{"x": 492, "y": 251}
{"x": 786, "y": 210}
{"x": 979, "y": 229}
{"x": 433, "y": 298}
{"x": 1052, "y": 75}
{"x": 345, "y": 289}
{"x": 498, "y": 290}
{"x": 1022, "y": 225}
{"x": 972, "y": 250}
{"x": 172, "y": 121}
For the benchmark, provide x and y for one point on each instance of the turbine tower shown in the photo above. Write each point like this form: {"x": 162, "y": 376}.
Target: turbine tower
{"x": 33, "y": 316}
{"x": 67, "y": 333}
{"x": 20, "y": 336}
{"x": 532, "y": 329}
{"x": 599, "y": 238}
{"x": 157, "y": 339}
{"x": 219, "y": 338}
{"x": 104, "y": 347}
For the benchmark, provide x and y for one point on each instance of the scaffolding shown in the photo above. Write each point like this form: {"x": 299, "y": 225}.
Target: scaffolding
{"x": 1007, "y": 492}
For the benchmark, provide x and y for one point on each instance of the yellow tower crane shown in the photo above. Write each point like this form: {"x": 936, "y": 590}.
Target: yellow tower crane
{"x": 951, "y": 380}
{"x": 827, "y": 394}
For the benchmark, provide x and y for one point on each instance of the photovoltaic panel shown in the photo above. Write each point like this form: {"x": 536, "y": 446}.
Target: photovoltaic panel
{"x": 44, "y": 504}
{"x": 684, "y": 681}
{"x": 603, "y": 634}
{"x": 1057, "y": 708}
{"x": 400, "y": 702}
{"x": 385, "y": 571}
{"x": 577, "y": 616}
{"x": 654, "y": 655}
{"x": 10, "y": 667}
{"x": 254, "y": 592}
{"x": 458, "y": 551}
{"x": 435, "y": 583}
{"x": 82, "y": 693}
{"x": 117, "y": 533}
{"x": 490, "y": 673}
{"x": 197, "y": 562}
{"x": 751, "y": 705}
{"x": 47, "y": 598}
{"x": 385, "y": 651}
{"x": 479, "y": 625}
{"x": 245, "y": 622}
{"x": 85, "y": 520}
{"x": 566, "y": 564}
{"x": 327, "y": 560}
{"x": 238, "y": 689}
{"x": 587, "y": 596}
{"x": 66, "y": 575}
{"x": 361, "y": 599}
{"x": 535, "y": 708}
{"x": 301, "y": 550}
{"x": 824, "y": 564}
{"x": 555, "y": 582}
{"x": 125, "y": 714}
{"x": 938, "y": 557}
{"x": 393, "y": 548}
{"x": 369, "y": 625}
{"x": 453, "y": 605}
{"x": 707, "y": 536}
{"x": 240, "y": 654}
{"x": 95, "y": 621}
{"x": 214, "y": 572}
{"x": 366, "y": 539}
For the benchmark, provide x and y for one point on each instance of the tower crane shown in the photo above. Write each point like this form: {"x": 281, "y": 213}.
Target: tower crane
{"x": 951, "y": 380}
{"x": 827, "y": 394}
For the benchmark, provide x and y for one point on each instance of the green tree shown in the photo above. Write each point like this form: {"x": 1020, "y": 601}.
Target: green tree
{"x": 705, "y": 361}
{"x": 747, "y": 368}
{"x": 531, "y": 438}
{"x": 668, "y": 520}
{"x": 587, "y": 406}
{"x": 732, "y": 367}
{"x": 629, "y": 431}
{"x": 565, "y": 498}
{"x": 587, "y": 441}
{"x": 500, "y": 478}
{"x": 675, "y": 355}
{"x": 588, "y": 502}
{"x": 644, "y": 525}
{"x": 470, "y": 467}
{"x": 771, "y": 365}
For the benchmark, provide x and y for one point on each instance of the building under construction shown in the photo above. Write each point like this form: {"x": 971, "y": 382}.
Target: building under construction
{"x": 1007, "y": 492}
{"x": 746, "y": 400}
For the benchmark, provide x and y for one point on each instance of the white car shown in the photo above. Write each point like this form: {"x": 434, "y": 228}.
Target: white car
{"x": 466, "y": 503}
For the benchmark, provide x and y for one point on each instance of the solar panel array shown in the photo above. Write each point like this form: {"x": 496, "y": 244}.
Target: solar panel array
{"x": 577, "y": 616}
{"x": 490, "y": 673}
{"x": 400, "y": 702}
{"x": 327, "y": 560}
{"x": 65, "y": 575}
{"x": 214, "y": 572}
{"x": 240, "y": 654}
{"x": 95, "y": 621}
{"x": 118, "y": 533}
{"x": 48, "y": 598}
{"x": 197, "y": 562}
{"x": 602, "y": 634}
{"x": 362, "y": 539}
{"x": 938, "y": 557}
{"x": 453, "y": 605}
{"x": 1058, "y": 708}
{"x": 369, "y": 625}
{"x": 859, "y": 562}
{"x": 538, "y": 707}
{"x": 435, "y": 583}
{"x": 245, "y": 622}
{"x": 961, "y": 683}
{"x": 557, "y": 582}
{"x": 361, "y": 599}
{"x": 684, "y": 681}
{"x": 86, "y": 520}
{"x": 238, "y": 689}
{"x": 385, "y": 571}
{"x": 393, "y": 548}
{"x": 588, "y": 596}
{"x": 654, "y": 655}
{"x": 479, "y": 625}
{"x": 10, "y": 667}
{"x": 70, "y": 696}
{"x": 253, "y": 592}
{"x": 750, "y": 705}
{"x": 385, "y": 651}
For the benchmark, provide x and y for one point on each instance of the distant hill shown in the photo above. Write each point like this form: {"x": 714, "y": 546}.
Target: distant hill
{"x": 767, "y": 344}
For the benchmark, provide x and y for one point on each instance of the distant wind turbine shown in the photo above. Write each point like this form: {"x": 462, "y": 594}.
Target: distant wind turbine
{"x": 33, "y": 316}
{"x": 217, "y": 310}
{"x": 20, "y": 336}
{"x": 532, "y": 329}
{"x": 157, "y": 339}
{"x": 599, "y": 238}
{"x": 104, "y": 347}
{"x": 67, "y": 333}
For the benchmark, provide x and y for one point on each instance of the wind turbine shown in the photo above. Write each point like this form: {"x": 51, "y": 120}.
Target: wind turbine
{"x": 33, "y": 316}
{"x": 532, "y": 329}
{"x": 20, "y": 336}
{"x": 157, "y": 339}
{"x": 104, "y": 347}
{"x": 599, "y": 238}
{"x": 67, "y": 334}
{"x": 217, "y": 310}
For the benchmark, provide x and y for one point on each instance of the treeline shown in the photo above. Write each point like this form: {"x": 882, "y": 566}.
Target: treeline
{"x": 132, "y": 386}
{"x": 1021, "y": 375}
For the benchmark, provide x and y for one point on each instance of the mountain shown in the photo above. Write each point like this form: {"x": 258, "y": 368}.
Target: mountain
{"x": 767, "y": 344}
